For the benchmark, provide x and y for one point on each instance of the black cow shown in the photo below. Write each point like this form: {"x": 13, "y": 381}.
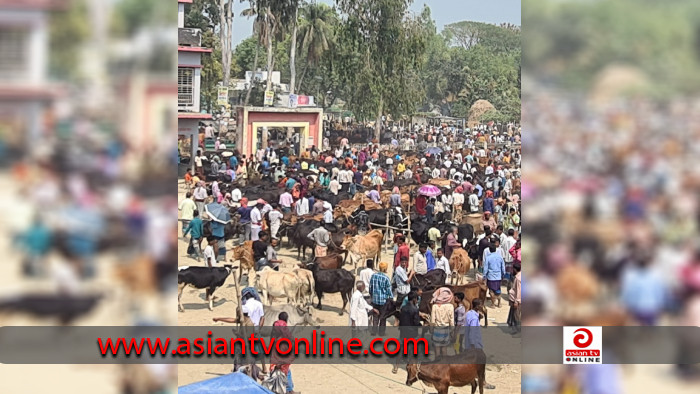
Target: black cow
{"x": 202, "y": 278}
{"x": 299, "y": 236}
{"x": 231, "y": 230}
{"x": 430, "y": 281}
{"x": 65, "y": 307}
{"x": 333, "y": 281}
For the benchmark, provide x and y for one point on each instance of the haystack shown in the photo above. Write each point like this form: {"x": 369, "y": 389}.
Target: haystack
{"x": 477, "y": 110}
{"x": 616, "y": 81}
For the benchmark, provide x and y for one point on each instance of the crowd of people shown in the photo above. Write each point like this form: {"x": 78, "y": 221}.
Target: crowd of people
{"x": 611, "y": 194}
{"x": 479, "y": 171}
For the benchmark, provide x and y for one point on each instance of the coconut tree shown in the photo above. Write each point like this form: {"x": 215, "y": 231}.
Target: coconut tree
{"x": 258, "y": 28}
{"x": 316, "y": 32}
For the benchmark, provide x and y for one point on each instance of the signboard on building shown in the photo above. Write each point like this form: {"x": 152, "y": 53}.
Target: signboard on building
{"x": 269, "y": 97}
{"x": 222, "y": 95}
{"x": 293, "y": 100}
{"x": 305, "y": 101}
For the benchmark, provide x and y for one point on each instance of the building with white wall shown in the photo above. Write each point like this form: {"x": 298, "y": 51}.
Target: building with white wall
{"x": 189, "y": 75}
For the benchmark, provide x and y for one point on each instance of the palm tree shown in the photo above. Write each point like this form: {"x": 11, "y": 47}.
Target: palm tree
{"x": 258, "y": 27}
{"x": 316, "y": 31}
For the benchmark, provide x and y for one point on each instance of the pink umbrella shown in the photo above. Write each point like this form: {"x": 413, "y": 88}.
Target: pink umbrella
{"x": 429, "y": 190}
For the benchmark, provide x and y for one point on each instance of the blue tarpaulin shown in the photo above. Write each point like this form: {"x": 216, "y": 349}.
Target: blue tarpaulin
{"x": 233, "y": 383}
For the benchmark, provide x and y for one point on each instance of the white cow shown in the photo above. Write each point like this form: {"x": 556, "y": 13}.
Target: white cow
{"x": 273, "y": 284}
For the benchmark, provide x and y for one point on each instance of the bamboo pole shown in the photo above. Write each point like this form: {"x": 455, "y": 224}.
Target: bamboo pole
{"x": 386, "y": 233}
{"x": 238, "y": 299}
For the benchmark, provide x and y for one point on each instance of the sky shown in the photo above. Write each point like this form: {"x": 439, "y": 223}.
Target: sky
{"x": 444, "y": 12}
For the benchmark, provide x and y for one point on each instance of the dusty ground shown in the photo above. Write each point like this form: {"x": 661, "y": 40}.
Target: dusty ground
{"x": 115, "y": 309}
{"x": 351, "y": 379}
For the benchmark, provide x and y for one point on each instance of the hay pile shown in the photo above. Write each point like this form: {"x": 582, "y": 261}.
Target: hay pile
{"x": 478, "y": 109}
{"x": 347, "y": 207}
{"x": 440, "y": 182}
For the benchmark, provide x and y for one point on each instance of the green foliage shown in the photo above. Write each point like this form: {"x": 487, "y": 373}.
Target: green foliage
{"x": 212, "y": 70}
{"x": 472, "y": 61}
{"x": 68, "y": 31}
{"x": 574, "y": 41}
{"x": 131, "y": 15}
{"x": 383, "y": 50}
{"x": 495, "y": 116}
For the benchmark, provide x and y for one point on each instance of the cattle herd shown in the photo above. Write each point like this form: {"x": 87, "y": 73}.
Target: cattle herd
{"x": 298, "y": 286}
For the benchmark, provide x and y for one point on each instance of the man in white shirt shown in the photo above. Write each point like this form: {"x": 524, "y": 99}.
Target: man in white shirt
{"x": 366, "y": 275}
{"x": 209, "y": 132}
{"x": 403, "y": 277}
{"x": 345, "y": 178}
{"x": 256, "y": 220}
{"x": 359, "y": 308}
{"x": 420, "y": 264}
{"x": 199, "y": 168}
{"x": 302, "y": 206}
{"x": 187, "y": 206}
{"x": 473, "y": 202}
{"x": 334, "y": 186}
{"x": 209, "y": 255}
{"x": 236, "y": 195}
{"x": 327, "y": 213}
{"x": 275, "y": 217}
{"x": 442, "y": 262}
{"x": 408, "y": 174}
{"x": 507, "y": 244}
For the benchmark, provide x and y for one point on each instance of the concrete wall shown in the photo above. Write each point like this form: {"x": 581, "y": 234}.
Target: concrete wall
{"x": 180, "y": 15}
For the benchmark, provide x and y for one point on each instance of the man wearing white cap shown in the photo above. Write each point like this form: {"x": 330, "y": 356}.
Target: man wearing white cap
{"x": 327, "y": 213}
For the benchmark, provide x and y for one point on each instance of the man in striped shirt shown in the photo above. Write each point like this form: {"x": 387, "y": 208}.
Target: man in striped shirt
{"x": 380, "y": 291}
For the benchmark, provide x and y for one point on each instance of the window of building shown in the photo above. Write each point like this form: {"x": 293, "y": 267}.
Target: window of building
{"x": 14, "y": 49}
{"x": 185, "y": 86}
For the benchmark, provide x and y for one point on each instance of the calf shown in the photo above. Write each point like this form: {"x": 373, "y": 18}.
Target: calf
{"x": 460, "y": 264}
{"x": 443, "y": 375}
{"x": 333, "y": 281}
{"x": 275, "y": 284}
{"x": 363, "y": 247}
{"x": 202, "y": 278}
{"x": 297, "y": 315}
{"x": 244, "y": 255}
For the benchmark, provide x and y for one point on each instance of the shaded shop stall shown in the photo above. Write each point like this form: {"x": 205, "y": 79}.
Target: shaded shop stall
{"x": 263, "y": 127}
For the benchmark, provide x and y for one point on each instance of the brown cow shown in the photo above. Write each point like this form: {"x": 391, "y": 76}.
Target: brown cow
{"x": 362, "y": 247}
{"x": 244, "y": 254}
{"x": 442, "y": 376}
{"x": 460, "y": 264}
{"x": 470, "y": 290}
{"x": 330, "y": 262}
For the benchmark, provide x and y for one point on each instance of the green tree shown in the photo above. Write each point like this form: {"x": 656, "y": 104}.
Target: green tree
{"x": 68, "y": 31}
{"x": 390, "y": 44}
{"x": 316, "y": 32}
{"x": 204, "y": 15}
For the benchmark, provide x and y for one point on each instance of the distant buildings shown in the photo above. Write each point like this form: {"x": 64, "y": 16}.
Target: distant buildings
{"x": 189, "y": 67}
{"x": 26, "y": 96}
